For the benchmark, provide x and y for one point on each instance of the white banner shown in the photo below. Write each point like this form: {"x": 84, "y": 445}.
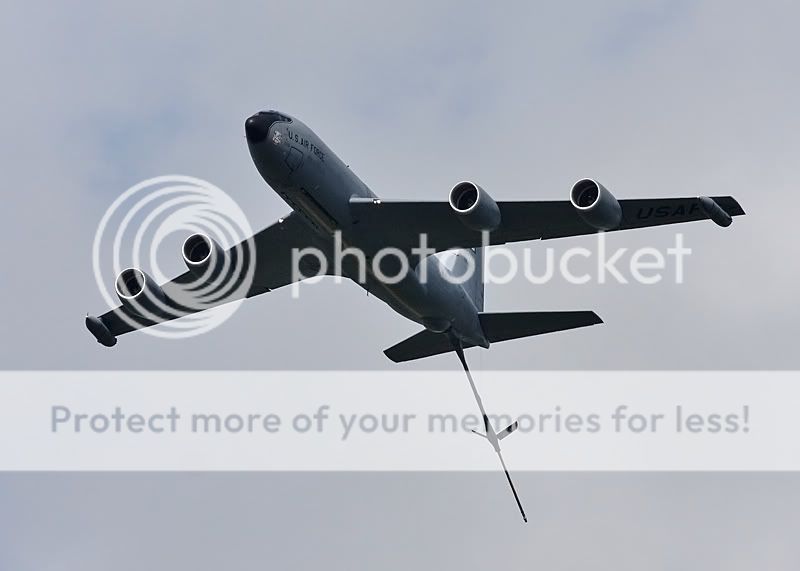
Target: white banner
{"x": 362, "y": 420}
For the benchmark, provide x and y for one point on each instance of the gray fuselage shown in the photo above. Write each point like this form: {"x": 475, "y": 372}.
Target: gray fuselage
{"x": 317, "y": 185}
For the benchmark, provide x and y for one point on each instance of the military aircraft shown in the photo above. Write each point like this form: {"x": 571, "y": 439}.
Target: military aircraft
{"x": 329, "y": 203}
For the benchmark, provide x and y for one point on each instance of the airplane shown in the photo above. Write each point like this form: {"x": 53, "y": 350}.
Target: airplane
{"x": 329, "y": 203}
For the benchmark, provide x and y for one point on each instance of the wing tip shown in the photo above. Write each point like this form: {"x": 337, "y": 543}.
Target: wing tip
{"x": 729, "y": 204}
{"x": 736, "y": 209}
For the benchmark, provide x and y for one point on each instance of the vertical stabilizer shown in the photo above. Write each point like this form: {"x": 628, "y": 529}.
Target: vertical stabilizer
{"x": 474, "y": 285}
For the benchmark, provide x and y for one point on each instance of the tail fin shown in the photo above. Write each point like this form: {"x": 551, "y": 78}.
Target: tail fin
{"x": 474, "y": 285}
{"x": 497, "y": 327}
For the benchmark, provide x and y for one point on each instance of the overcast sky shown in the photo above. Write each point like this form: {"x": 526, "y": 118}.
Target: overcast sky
{"x": 651, "y": 97}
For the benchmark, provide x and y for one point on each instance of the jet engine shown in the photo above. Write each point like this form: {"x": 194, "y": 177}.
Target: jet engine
{"x": 204, "y": 257}
{"x": 476, "y": 209}
{"x": 139, "y": 292}
{"x": 595, "y": 204}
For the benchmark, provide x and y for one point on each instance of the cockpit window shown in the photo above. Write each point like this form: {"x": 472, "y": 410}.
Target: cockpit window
{"x": 274, "y": 116}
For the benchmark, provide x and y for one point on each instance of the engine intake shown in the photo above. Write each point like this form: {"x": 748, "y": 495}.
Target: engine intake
{"x": 139, "y": 292}
{"x": 476, "y": 209}
{"x": 595, "y": 204}
{"x": 204, "y": 257}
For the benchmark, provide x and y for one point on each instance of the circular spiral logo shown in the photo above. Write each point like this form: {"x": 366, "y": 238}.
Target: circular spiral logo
{"x": 205, "y": 225}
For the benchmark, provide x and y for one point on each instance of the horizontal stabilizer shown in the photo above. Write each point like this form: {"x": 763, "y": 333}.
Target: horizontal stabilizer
{"x": 513, "y": 325}
{"x": 496, "y": 327}
{"x": 423, "y": 344}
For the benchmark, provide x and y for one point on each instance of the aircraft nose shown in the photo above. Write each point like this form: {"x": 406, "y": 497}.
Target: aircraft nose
{"x": 256, "y": 128}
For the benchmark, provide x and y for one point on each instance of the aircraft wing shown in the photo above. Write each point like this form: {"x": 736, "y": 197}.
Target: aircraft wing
{"x": 268, "y": 253}
{"x": 399, "y": 223}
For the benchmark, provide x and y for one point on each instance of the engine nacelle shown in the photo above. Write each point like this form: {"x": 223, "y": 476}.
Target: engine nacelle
{"x": 476, "y": 209}
{"x": 204, "y": 257}
{"x": 140, "y": 293}
{"x": 595, "y": 204}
